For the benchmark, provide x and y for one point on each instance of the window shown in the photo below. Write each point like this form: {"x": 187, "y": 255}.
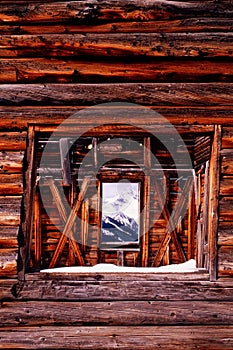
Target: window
{"x": 79, "y": 216}
{"x": 120, "y": 214}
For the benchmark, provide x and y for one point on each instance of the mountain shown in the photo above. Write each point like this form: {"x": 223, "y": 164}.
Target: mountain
{"x": 119, "y": 228}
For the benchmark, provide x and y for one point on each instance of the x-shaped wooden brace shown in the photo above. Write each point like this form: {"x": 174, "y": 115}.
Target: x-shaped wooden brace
{"x": 69, "y": 222}
{"x": 172, "y": 221}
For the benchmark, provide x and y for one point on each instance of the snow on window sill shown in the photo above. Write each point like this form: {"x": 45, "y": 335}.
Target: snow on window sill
{"x": 187, "y": 267}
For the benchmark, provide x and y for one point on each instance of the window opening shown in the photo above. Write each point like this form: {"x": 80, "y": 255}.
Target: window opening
{"x": 59, "y": 240}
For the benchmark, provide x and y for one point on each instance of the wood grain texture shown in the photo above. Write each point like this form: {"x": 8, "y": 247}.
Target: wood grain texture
{"x": 38, "y": 70}
{"x": 10, "y": 207}
{"x": 225, "y": 233}
{"x": 11, "y": 162}
{"x": 226, "y": 209}
{"x": 227, "y": 138}
{"x": 57, "y": 289}
{"x": 144, "y": 338}
{"x": 227, "y": 162}
{"x": 226, "y": 186}
{"x": 11, "y": 117}
{"x": 13, "y": 141}
{"x": 80, "y": 12}
{"x": 9, "y": 237}
{"x": 113, "y": 25}
{"x": 8, "y": 262}
{"x": 118, "y": 313}
{"x": 225, "y": 261}
{"x": 11, "y": 184}
{"x": 90, "y": 94}
{"x": 118, "y": 45}
{"x": 7, "y": 288}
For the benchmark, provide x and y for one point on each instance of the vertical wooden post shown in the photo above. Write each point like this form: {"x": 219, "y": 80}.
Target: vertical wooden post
{"x": 84, "y": 223}
{"x": 120, "y": 258}
{"x": 147, "y": 152}
{"x": 166, "y": 191}
{"x": 213, "y": 202}
{"x": 29, "y": 194}
{"x": 94, "y": 143}
{"x": 205, "y": 221}
{"x": 65, "y": 161}
{"x": 200, "y": 248}
{"x": 37, "y": 230}
{"x": 145, "y": 226}
{"x": 191, "y": 225}
{"x": 146, "y": 203}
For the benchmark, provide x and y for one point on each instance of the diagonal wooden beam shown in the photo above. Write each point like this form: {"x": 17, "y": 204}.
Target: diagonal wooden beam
{"x": 169, "y": 234}
{"x": 172, "y": 221}
{"x": 63, "y": 214}
{"x": 67, "y": 232}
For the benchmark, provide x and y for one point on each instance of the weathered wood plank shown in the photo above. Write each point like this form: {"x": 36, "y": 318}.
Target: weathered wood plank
{"x": 226, "y": 186}
{"x": 146, "y": 94}
{"x": 118, "y": 313}
{"x": 226, "y": 209}
{"x": 9, "y": 236}
{"x": 60, "y": 71}
{"x": 225, "y": 260}
{"x": 10, "y": 207}
{"x": 7, "y": 289}
{"x": 200, "y": 275}
{"x": 8, "y": 263}
{"x": 227, "y": 162}
{"x": 11, "y": 117}
{"x": 227, "y": 138}
{"x": 118, "y": 45}
{"x": 13, "y": 141}
{"x": 213, "y": 205}
{"x": 29, "y": 194}
{"x": 190, "y": 25}
{"x": 80, "y": 12}
{"x": 11, "y": 162}
{"x": 154, "y": 337}
{"x": 225, "y": 233}
{"x": 134, "y": 290}
{"x": 11, "y": 184}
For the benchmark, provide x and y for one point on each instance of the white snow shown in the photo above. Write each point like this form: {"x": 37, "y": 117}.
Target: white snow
{"x": 188, "y": 266}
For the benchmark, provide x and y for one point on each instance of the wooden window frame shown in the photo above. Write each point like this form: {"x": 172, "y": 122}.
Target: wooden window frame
{"x": 30, "y": 199}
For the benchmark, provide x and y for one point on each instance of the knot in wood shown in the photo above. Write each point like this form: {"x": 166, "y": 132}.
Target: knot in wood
{"x": 89, "y": 12}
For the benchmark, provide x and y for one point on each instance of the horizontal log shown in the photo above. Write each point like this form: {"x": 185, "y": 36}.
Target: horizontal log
{"x": 11, "y": 184}
{"x": 60, "y": 71}
{"x": 8, "y": 262}
{"x": 146, "y": 94}
{"x": 9, "y": 236}
{"x": 13, "y": 141}
{"x": 225, "y": 233}
{"x": 7, "y": 288}
{"x": 80, "y": 12}
{"x": 226, "y": 209}
{"x": 200, "y": 275}
{"x": 134, "y": 290}
{"x": 19, "y": 118}
{"x": 227, "y": 162}
{"x": 154, "y": 337}
{"x": 118, "y": 313}
{"x": 11, "y": 162}
{"x": 226, "y": 186}
{"x": 227, "y": 137}
{"x": 189, "y": 25}
{"x": 225, "y": 260}
{"x": 118, "y": 45}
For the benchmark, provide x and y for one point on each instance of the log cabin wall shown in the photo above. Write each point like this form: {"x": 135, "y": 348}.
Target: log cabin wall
{"x": 60, "y": 56}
